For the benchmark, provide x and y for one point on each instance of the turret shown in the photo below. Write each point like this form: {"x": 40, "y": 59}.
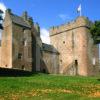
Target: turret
{"x": 8, "y": 11}
{"x": 25, "y": 15}
{"x": 30, "y": 20}
{"x": 37, "y": 28}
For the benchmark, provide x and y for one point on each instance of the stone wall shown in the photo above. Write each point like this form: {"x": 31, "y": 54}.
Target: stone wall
{"x": 22, "y": 48}
{"x": 74, "y": 43}
{"x": 49, "y": 62}
{"x": 72, "y": 51}
{"x": 0, "y": 55}
{"x": 6, "y": 43}
{"x": 96, "y": 60}
{"x": 16, "y": 45}
{"x": 37, "y": 44}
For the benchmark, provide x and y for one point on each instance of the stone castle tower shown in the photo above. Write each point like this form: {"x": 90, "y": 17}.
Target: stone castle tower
{"x": 19, "y": 49}
{"x": 75, "y": 45}
{"x": 72, "y": 51}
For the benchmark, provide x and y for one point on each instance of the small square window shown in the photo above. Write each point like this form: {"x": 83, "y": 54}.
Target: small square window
{"x": 63, "y": 42}
{"x": 19, "y": 56}
{"x": 61, "y": 61}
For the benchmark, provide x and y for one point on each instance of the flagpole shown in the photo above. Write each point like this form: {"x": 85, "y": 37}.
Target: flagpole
{"x": 80, "y": 12}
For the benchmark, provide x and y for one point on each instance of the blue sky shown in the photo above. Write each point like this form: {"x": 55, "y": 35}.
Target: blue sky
{"x": 53, "y": 12}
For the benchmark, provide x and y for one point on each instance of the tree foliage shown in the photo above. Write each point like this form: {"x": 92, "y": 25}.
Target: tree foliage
{"x": 95, "y": 31}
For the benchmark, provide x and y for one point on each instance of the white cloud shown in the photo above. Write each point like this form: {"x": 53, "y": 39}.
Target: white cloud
{"x": 45, "y": 36}
{"x": 63, "y": 17}
{"x": 3, "y": 8}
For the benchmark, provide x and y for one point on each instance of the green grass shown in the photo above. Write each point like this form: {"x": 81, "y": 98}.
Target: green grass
{"x": 49, "y": 87}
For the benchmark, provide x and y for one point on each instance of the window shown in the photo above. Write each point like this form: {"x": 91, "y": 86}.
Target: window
{"x": 61, "y": 61}
{"x": 24, "y": 42}
{"x": 63, "y": 42}
{"x": 19, "y": 56}
{"x": 94, "y": 61}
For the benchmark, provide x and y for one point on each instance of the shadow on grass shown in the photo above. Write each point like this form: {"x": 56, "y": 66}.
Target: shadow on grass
{"x": 16, "y": 73}
{"x": 98, "y": 79}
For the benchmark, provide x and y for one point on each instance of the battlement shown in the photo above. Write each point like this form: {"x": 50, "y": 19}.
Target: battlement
{"x": 79, "y": 22}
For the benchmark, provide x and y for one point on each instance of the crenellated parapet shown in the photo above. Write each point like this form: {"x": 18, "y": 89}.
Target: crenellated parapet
{"x": 79, "y": 22}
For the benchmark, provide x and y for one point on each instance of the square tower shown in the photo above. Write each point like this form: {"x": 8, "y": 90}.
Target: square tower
{"x": 75, "y": 45}
{"x": 16, "y": 45}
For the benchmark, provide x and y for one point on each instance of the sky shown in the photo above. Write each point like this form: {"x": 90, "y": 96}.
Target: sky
{"x": 50, "y": 13}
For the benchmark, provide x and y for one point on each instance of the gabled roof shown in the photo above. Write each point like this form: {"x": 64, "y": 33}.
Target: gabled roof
{"x": 49, "y": 48}
{"x": 19, "y": 20}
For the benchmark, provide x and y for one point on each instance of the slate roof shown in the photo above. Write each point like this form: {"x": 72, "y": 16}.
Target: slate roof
{"x": 49, "y": 48}
{"x": 19, "y": 20}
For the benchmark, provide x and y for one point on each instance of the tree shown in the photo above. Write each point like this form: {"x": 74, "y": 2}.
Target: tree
{"x": 95, "y": 31}
{"x": 1, "y": 19}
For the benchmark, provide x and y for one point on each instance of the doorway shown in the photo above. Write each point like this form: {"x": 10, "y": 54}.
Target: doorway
{"x": 76, "y": 66}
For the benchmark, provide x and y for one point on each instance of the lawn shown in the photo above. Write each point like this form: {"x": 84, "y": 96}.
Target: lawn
{"x": 49, "y": 87}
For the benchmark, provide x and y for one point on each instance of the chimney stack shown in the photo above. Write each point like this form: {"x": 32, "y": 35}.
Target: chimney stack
{"x": 25, "y": 15}
{"x": 30, "y": 20}
{"x": 8, "y": 11}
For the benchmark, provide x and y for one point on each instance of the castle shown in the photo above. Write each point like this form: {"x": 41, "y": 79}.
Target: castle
{"x": 72, "y": 50}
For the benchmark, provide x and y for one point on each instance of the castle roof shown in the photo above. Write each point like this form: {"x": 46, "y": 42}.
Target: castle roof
{"x": 19, "y": 20}
{"x": 49, "y": 48}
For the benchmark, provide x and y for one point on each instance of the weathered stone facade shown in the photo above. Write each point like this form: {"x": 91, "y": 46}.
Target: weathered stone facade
{"x": 50, "y": 59}
{"x": 75, "y": 45}
{"x": 18, "y": 44}
{"x": 72, "y": 51}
